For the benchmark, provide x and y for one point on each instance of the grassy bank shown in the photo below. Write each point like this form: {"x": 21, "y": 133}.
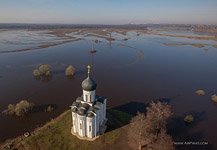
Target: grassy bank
{"x": 56, "y": 135}
{"x": 121, "y": 116}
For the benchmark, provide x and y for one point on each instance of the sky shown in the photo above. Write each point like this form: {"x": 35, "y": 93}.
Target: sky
{"x": 109, "y": 11}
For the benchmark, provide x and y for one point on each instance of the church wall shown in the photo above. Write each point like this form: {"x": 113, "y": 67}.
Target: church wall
{"x": 74, "y": 122}
{"x": 81, "y": 125}
{"x": 89, "y": 96}
{"x": 97, "y": 121}
{"x": 90, "y": 128}
{"x": 100, "y": 114}
{"x": 85, "y": 126}
{"x": 104, "y": 108}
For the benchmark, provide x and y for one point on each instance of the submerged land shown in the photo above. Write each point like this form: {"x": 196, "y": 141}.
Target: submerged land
{"x": 62, "y": 34}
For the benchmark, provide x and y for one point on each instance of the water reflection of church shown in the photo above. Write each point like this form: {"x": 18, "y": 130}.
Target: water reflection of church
{"x": 88, "y": 111}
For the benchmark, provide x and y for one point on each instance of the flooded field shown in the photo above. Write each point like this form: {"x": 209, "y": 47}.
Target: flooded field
{"x": 131, "y": 68}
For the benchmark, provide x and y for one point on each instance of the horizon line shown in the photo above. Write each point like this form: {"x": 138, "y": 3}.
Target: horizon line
{"x": 111, "y": 24}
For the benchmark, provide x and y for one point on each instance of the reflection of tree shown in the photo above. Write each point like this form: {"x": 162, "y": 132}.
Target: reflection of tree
{"x": 110, "y": 39}
{"x": 139, "y": 55}
{"x": 69, "y": 77}
{"x": 92, "y": 52}
{"x": 37, "y": 77}
{"x": 110, "y": 44}
{"x": 44, "y": 79}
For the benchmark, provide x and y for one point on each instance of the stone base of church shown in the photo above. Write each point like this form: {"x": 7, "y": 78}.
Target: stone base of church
{"x": 83, "y": 138}
{"x": 102, "y": 130}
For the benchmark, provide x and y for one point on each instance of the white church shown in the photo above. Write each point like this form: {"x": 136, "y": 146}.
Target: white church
{"x": 88, "y": 112}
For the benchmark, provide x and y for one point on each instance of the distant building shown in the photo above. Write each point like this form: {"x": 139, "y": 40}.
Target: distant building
{"x": 88, "y": 112}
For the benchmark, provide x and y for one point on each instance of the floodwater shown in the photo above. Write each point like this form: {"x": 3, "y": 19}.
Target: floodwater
{"x": 140, "y": 69}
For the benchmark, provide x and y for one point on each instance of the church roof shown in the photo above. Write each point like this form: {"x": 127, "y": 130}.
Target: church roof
{"x": 89, "y": 84}
{"x": 97, "y": 105}
{"x": 90, "y": 114}
{"x": 79, "y": 99}
{"x": 74, "y": 109}
{"x": 75, "y": 104}
{"x": 100, "y": 99}
{"x": 84, "y": 109}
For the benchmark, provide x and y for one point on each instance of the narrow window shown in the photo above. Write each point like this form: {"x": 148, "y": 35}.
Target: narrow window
{"x": 86, "y": 97}
{"x": 89, "y": 128}
{"x": 80, "y": 125}
{"x": 90, "y": 98}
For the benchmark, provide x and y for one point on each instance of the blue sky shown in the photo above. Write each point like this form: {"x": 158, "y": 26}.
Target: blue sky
{"x": 108, "y": 11}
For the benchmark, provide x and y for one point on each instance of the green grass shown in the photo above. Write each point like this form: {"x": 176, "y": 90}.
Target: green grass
{"x": 56, "y": 135}
{"x": 121, "y": 116}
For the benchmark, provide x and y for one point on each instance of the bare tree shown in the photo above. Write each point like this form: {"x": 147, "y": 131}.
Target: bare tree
{"x": 136, "y": 128}
{"x": 157, "y": 115}
{"x": 163, "y": 142}
{"x": 149, "y": 131}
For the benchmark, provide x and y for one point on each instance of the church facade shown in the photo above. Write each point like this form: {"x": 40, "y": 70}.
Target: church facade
{"x": 88, "y": 112}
